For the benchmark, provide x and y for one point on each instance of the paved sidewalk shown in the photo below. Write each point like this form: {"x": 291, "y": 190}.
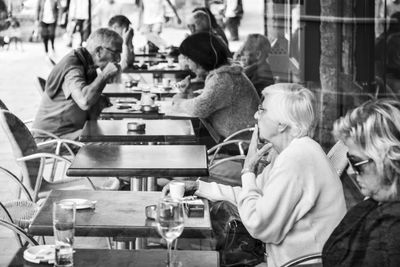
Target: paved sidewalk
{"x": 19, "y": 91}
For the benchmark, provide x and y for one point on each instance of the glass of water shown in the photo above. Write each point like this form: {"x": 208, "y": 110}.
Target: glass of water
{"x": 64, "y": 230}
{"x": 169, "y": 222}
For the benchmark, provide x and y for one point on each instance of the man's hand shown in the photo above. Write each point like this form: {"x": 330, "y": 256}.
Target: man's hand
{"x": 190, "y": 186}
{"x": 128, "y": 36}
{"x": 110, "y": 70}
{"x": 254, "y": 155}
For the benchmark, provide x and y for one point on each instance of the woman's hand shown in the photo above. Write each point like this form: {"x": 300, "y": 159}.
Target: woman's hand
{"x": 190, "y": 186}
{"x": 183, "y": 85}
{"x": 254, "y": 154}
{"x": 128, "y": 36}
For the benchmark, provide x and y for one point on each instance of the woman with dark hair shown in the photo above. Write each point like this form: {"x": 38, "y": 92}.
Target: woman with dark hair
{"x": 228, "y": 100}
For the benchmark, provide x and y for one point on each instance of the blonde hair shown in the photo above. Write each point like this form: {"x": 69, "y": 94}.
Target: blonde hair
{"x": 293, "y": 105}
{"x": 375, "y": 128}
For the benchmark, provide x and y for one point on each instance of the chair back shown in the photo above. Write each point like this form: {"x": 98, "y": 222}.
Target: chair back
{"x": 338, "y": 158}
{"x": 2, "y": 105}
{"x": 302, "y": 261}
{"x": 19, "y": 232}
{"x": 22, "y": 144}
{"x": 42, "y": 85}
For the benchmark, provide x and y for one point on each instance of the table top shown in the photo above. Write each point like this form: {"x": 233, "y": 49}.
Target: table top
{"x": 117, "y": 214}
{"x": 160, "y": 131}
{"x": 120, "y": 90}
{"x": 140, "y": 160}
{"x": 141, "y": 258}
{"x": 165, "y": 112}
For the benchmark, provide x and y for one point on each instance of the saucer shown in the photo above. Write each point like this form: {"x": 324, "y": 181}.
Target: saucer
{"x": 41, "y": 253}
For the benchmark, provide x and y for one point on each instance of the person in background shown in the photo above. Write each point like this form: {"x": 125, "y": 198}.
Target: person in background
{"x": 152, "y": 16}
{"x": 228, "y": 100}
{"x": 253, "y": 55}
{"x": 199, "y": 21}
{"x": 104, "y": 11}
{"x": 80, "y": 16}
{"x": 369, "y": 234}
{"x": 297, "y": 200}
{"x": 233, "y": 16}
{"x": 122, "y": 26}
{"x": 73, "y": 89}
{"x": 214, "y": 25}
{"x": 46, "y": 18}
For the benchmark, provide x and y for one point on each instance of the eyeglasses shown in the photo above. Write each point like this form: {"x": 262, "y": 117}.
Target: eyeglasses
{"x": 356, "y": 165}
{"x": 114, "y": 52}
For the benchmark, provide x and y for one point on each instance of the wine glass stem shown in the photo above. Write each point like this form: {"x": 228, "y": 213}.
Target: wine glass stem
{"x": 169, "y": 256}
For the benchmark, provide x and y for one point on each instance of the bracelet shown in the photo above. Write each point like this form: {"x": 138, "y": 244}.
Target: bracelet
{"x": 246, "y": 170}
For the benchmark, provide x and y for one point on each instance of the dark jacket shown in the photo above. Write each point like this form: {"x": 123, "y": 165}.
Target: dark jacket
{"x": 369, "y": 235}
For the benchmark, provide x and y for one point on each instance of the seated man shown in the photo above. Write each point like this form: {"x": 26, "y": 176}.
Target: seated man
{"x": 73, "y": 89}
{"x": 254, "y": 54}
{"x": 121, "y": 25}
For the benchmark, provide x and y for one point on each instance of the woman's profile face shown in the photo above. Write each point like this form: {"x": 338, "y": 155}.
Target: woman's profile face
{"x": 267, "y": 126}
{"x": 367, "y": 177}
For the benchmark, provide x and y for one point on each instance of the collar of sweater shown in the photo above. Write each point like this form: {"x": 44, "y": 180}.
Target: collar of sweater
{"x": 234, "y": 69}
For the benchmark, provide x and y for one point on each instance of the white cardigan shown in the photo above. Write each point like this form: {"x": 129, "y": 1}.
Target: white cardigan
{"x": 293, "y": 205}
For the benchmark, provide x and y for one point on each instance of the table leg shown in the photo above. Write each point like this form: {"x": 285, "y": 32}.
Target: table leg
{"x": 136, "y": 184}
{"x": 151, "y": 184}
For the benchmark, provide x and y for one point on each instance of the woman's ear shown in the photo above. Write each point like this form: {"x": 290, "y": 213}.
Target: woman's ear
{"x": 282, "y": 127}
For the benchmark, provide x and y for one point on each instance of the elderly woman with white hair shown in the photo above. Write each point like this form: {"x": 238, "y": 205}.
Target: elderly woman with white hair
{"x": 369, "y": 234}
{"x": 294, "y": 204}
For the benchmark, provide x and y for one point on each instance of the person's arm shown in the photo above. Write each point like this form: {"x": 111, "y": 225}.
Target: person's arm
{"x": 216, "y": 95}
{"x": 127, "y": 55}
{"x": 216, "y": 192}
{"x": 86, "y": 95}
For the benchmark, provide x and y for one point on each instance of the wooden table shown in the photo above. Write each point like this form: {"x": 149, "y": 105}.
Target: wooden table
{"x": 120, "y": 90}
{"x": 140, "y": 161}
{"x": 117, "y": 258}
{"x": 156, "y": 131}
{"x": 117, "y": 214}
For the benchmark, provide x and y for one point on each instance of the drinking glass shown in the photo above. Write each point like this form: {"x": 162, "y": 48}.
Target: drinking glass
{"x": 169, "y": 222}
{"x": 64, "y": 230}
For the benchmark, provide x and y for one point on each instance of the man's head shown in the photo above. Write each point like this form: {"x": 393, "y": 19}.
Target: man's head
{"x": 199, "y": 21}
{"x": 119, "y": 23}
{"x": 105, "y": 45}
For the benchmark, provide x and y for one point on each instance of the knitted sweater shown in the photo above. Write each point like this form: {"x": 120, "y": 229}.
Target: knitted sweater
{"x": 293, "y": 205}
{"x": 228, "y": 101}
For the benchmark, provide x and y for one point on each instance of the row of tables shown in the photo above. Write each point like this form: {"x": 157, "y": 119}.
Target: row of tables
{"x": 166, "y": 148}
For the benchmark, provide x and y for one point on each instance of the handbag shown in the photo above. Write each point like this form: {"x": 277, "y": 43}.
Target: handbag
{"x": 234, "y": 243}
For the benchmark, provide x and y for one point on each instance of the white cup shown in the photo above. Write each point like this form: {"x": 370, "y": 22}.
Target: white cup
{"x": 166, "y": 82}
{"x": 176, "y": 189}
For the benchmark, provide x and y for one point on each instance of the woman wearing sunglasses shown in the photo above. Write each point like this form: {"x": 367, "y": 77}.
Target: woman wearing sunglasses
{"x": 369, "y": 234}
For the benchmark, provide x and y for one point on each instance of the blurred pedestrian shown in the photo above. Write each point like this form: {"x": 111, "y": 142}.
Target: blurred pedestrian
{"x": 46, "y": 18}
{"x": 233, "y": 16}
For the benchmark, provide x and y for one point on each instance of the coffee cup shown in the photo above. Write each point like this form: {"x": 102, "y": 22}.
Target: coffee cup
{"x": 176, "y": 189}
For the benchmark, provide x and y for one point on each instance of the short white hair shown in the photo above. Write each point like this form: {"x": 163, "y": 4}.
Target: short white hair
{"x": 293, "y": 105}
{"x": 102, "y": 37}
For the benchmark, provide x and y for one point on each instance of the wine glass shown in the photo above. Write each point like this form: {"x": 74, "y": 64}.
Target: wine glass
{"x": 169, "y": 222}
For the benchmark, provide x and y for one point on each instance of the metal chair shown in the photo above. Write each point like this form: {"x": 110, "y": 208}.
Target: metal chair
{"x": 19, "y": 211}
{"x": 303, "y": 259}
{"x": 231, "y": 139}
{"x": 19, "y": 232}
{"x": 338, "y": 158}
{"x": 32, "y": 162}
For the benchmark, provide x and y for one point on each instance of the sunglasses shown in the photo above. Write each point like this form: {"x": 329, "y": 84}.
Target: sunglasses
{"x": 356, "y": 164}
